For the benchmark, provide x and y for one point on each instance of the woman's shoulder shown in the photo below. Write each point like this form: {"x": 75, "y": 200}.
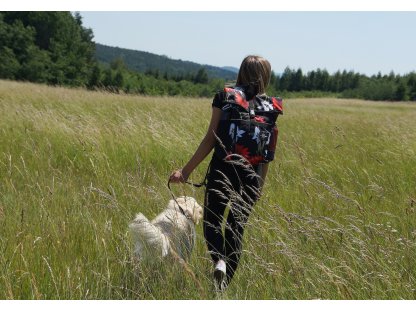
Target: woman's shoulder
{"x": 218, "y": 100}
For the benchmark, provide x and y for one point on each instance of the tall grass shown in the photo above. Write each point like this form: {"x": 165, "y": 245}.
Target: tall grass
{"x": 337, "y": 219}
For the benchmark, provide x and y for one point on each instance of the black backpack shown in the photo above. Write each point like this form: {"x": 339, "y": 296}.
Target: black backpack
{"x": 247, "y": 128}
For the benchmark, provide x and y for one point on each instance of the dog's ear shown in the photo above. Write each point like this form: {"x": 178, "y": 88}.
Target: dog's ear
{"x": 197, "y": 214}
{"x": 181, "y": 200}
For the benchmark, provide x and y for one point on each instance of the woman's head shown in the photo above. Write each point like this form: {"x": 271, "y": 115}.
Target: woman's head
{"x": 255, "y": 69}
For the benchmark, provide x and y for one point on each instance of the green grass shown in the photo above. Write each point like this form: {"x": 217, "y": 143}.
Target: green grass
{"x": 337, "y": 219}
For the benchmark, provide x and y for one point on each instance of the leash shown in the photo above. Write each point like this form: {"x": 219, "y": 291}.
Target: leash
{"x": 174, "y": 198}
{"x": 203, "y": 183}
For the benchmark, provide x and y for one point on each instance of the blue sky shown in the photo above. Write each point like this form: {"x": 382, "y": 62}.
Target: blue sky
{"x": 366, "y": 42}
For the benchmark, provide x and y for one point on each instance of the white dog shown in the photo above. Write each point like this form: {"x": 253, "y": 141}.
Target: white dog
{"x": 172, "y": 230}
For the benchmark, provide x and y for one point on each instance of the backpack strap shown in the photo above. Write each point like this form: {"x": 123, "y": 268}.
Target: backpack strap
{"x": 251, "y": 109}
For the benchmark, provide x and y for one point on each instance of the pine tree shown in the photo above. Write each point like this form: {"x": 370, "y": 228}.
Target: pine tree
{"x": 401, "y": 91}
{"x": 411, "y": 84}
{"x": 286, "y": 79}
{"x": 118, "y": 80}
{"x": 201, "y": 76}
{"x": 297, "y": 81}
{"x": 95, "y": 77}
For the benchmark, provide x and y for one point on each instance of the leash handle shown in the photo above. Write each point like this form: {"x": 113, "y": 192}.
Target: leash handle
{"x": 203, "y": 183}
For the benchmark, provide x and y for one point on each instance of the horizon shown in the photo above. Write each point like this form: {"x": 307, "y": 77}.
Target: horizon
{"x": 324, "y": 40}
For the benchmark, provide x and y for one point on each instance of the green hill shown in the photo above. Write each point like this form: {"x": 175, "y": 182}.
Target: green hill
{"x": 231, "y": 69}
{"x": 144, "y": 61}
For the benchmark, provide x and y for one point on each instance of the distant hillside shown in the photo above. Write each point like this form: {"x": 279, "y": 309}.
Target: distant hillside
{"x": 231, "y": 69}
{"x": 143, "y": 61}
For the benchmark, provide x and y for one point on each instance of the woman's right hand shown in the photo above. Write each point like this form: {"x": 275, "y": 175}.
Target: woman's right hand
{"x": 177, "y": 176}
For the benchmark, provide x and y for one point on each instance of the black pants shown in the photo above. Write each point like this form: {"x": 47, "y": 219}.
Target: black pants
{"x": 235, "y": 184}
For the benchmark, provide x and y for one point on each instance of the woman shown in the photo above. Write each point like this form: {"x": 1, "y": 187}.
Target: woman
{"x": 227, "y": 181}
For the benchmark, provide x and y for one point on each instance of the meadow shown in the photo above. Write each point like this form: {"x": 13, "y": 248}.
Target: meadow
{"x": 337, "y": 219}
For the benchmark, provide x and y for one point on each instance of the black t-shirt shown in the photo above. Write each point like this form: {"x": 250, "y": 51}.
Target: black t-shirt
{"x": 218, "y": 100}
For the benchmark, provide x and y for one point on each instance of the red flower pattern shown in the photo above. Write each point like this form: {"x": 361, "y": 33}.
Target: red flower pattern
{"x": 259, "y": 119}
{"x": 277, "y": 104}
{"x": 255, "y": 160}
{"x": 243, "y": 151}
{"x": 237, "y": 97}
{"x": 240, "y": 101}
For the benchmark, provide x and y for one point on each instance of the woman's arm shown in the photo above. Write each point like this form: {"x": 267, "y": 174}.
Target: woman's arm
{"x": 205, "y": 147}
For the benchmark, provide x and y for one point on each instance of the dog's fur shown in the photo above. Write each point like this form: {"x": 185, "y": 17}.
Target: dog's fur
{"x": 170, "y": 232}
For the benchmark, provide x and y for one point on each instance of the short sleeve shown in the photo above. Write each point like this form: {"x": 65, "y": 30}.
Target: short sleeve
{"x": 218, "y": 100}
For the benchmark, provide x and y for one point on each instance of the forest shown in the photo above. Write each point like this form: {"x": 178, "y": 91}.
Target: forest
{"x": 56, "y": 49}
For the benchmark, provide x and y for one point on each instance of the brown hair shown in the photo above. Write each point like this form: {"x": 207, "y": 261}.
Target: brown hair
{"x": 255, "y": 69}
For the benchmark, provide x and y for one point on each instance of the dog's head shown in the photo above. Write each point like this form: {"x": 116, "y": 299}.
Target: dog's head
{"x": 191, "y": 208}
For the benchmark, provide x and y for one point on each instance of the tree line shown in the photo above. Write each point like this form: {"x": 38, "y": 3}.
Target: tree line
{"x": 118, "y": 78}
{"x": 349, "y": 84}
{"x": 55, "y": 48}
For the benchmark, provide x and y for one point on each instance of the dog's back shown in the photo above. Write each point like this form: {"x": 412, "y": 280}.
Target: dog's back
{"x": 179, "y": 230}
{"x": 149, "y": 239}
